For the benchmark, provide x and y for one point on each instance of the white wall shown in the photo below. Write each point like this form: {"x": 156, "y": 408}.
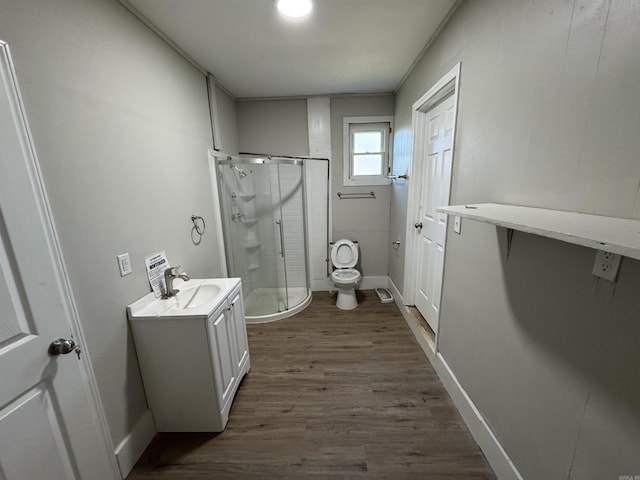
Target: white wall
{"x": 121, "y": 127}
{"x": 548, "y": 116}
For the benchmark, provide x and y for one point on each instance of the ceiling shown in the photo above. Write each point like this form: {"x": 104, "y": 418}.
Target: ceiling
{"x": 344, "y": 46}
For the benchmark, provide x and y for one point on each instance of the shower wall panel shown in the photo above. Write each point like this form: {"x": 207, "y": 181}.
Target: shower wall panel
{"x": 293, "y": 225}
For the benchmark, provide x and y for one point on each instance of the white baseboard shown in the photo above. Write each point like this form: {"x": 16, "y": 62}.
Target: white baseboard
{"x": 487, "y": 441}
{"x": 133, "y": 445}
{"x": 396, "y": 293}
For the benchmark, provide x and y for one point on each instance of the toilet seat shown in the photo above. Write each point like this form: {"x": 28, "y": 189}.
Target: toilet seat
{"x": 345, "y": 275}
{"x": 344, "y": 254}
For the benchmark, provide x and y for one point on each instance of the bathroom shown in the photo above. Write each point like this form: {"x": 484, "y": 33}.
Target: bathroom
{"x": 121, "y": 125}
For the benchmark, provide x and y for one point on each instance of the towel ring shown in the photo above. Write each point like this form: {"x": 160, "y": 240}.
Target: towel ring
{"x": 198, "y": 224}
{"x": 197, "y": 231}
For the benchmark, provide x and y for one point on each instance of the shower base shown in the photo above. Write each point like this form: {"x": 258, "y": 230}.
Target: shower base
{"x": 268, "y": 304}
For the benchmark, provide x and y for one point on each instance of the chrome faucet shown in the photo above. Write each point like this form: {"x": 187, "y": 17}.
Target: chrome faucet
{"x": 170, "y": 274}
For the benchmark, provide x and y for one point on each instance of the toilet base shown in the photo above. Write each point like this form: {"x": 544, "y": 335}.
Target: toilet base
{"x": 347, "y": 299}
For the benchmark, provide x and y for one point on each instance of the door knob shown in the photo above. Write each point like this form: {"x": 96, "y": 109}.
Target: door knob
{"x": 61, "y": 346}
{"x": 418, "y": 225}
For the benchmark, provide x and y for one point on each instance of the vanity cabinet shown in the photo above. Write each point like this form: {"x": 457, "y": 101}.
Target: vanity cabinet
{"x": 229, "y": 347}
{"x": 192, "y": 362}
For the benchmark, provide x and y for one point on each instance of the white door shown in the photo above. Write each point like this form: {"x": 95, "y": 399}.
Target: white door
{"x": 48, "y": 426}
{"x": 434, "y": 171}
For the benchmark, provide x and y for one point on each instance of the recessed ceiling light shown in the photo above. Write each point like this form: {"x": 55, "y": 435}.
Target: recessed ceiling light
{"x": 294, "y": 8}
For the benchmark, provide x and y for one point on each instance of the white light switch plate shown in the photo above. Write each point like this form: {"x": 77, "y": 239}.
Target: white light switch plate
{"x": 457, "y": 223}
{"x": 124, "y": 263}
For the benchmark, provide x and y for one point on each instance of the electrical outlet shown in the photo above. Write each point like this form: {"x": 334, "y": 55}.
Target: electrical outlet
{"x": 457, "y": 223}
{"x": 607, "y": 265}
{"x": 124, "y": 263}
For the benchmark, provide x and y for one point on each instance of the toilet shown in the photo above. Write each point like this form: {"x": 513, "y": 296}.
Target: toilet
{"x": 344, "y": 256}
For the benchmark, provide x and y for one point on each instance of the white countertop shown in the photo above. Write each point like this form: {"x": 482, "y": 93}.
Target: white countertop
{"x": 196, "y": 298}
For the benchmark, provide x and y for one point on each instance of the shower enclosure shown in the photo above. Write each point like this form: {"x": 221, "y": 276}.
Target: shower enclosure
{"x": 262, "y": 203}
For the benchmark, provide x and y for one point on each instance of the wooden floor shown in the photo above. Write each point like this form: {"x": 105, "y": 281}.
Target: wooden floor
{"x": 330, "y": 394}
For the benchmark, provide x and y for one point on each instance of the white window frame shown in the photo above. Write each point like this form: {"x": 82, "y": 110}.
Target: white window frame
{"x": 347, "y": 155}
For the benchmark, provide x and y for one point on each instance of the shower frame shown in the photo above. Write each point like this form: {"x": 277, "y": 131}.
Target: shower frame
{"x": 219, "y": 159}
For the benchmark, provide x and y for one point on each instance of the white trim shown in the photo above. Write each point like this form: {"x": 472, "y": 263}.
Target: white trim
{"x": 397, "y": 296}
{"x": 448, "y": 83}
{"x": 347, "y": 181}
{"x": 214, "y": 113}
{"x": 62, "y": 277}
{"x": 133, "y": 445}
{"x": 213, "y": 172}
{"x": 427, "y": 46}
{"x": 497, "y": 457}
{"x": 487, "y": 441}
{"x": 319, "y": 133}
{"x": 165, "y": 38}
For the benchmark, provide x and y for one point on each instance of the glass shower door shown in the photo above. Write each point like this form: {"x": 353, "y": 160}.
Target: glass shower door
{"x": 269, "y": 293}
{"x": 263, "y": 213}
{"x": 294, "y": 245}
{"x": 249, "y": 199}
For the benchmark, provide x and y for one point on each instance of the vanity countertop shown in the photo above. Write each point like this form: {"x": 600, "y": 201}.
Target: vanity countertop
{"x": 196, "y": 298}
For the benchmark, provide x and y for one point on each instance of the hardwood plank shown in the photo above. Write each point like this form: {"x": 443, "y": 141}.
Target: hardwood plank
{"x": 331, "y": 395}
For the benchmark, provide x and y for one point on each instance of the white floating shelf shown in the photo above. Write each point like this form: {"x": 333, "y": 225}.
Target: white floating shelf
{"x": 611, "y": 234}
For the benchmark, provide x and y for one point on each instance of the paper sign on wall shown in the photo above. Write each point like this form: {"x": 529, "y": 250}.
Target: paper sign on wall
{"x": 156, "y": 265}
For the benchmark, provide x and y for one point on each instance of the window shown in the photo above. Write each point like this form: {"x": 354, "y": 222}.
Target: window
{"x": 366, "y": 150}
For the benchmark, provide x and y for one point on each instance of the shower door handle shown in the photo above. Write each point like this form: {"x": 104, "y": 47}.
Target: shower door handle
{"x": 279, "y": 223}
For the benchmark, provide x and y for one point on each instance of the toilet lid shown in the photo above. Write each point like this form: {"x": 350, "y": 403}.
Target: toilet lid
{"x": 344, "y": 254}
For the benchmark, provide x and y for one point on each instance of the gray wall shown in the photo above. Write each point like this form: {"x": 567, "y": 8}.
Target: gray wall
{"x": 275, "y": 127}
{"x": 548, "y": 116}
{"x": 280, "y": 127}
{"x": 365, "y": 221}
{"x": 121, "y": 128}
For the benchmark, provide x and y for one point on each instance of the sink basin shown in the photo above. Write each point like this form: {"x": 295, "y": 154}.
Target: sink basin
{"x": 197, "y": 296}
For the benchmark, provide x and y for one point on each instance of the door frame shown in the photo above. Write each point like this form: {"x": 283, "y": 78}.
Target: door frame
{"x": 447, "y": 85}
{"x": 63, "y": 283}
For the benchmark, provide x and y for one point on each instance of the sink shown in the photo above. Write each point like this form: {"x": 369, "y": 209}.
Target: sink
{"x": 197, "y": 296}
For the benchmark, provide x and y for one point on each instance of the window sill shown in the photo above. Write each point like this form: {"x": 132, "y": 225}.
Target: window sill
{"x": 368, "y": 182}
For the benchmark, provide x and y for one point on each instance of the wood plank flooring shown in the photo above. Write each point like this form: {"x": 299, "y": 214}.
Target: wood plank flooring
{"x": 330, "y": 395}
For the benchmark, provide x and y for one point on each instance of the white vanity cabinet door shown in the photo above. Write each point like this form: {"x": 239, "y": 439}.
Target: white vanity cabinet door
{"x": 221, "y": 342}
{"x": 241, "y": 343}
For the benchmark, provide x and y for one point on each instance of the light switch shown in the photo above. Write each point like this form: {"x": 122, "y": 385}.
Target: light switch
{"x": 124, "y": 263}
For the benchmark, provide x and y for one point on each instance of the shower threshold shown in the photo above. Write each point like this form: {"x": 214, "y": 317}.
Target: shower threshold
{"x": 264, "y": 305}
